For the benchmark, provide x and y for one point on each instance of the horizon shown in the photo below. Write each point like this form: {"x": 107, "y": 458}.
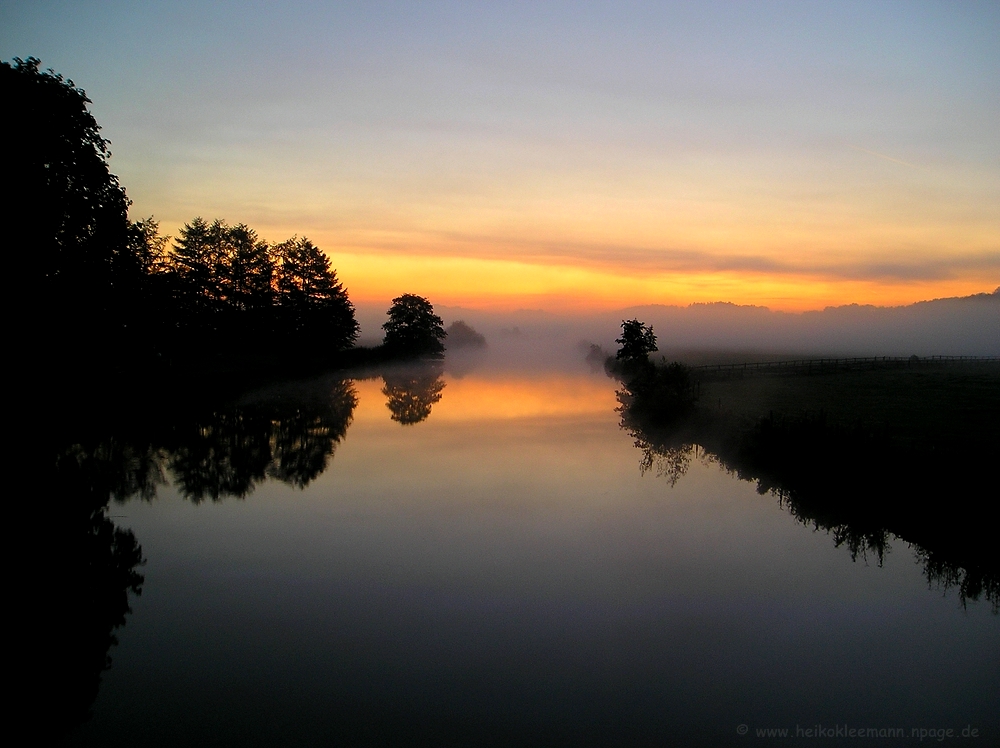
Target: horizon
{"x": 455, "y": 373}
{"x": 775, "y": 155}
{"x": 510, "y": 310}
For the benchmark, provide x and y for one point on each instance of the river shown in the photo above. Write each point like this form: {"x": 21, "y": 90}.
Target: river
{"x": 484, "y": 562}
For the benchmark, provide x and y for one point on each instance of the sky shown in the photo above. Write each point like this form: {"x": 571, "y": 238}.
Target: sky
{"x": 562, "y": 156}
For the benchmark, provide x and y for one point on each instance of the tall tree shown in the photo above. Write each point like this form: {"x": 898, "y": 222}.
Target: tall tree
{"x": 98, "y": 289}
{"x": 412, "y": 328}
{"x": 312, "y": 302}
{"x": 67, "y": 226}
{"x": 223, "y": 278}
{"x": 56, "y": 161}
{"x": 148, "y": 249}
{"x": 197, "y": 258}
{"x": 637, "y": 341}
{"x": 245, "y": 268}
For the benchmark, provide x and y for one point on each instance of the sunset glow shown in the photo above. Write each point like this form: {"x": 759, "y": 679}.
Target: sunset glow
{"x": 505, "y": 285}
{"x": 569, "y": 157}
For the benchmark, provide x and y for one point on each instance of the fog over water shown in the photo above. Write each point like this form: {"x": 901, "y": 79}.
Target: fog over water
{"x": 501, "y": 570}
{"x": 968, "y": 326}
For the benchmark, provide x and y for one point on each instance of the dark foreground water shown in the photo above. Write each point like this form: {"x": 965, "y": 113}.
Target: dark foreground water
{"x": 485, "y": 563}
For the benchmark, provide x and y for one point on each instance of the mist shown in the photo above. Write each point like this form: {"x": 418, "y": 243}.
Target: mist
{"x": 964, "y": 326}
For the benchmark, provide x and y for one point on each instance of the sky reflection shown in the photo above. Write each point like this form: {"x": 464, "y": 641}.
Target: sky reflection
{"x": 509, "y": 572}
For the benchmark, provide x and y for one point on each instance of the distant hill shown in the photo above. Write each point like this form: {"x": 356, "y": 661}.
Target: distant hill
{"x": 967, "y": 325}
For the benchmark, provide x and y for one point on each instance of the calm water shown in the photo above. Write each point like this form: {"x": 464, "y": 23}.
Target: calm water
{"x": 501, "y": 572}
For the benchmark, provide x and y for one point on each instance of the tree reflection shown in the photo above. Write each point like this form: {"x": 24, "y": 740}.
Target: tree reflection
{"x": 86, "y": 568}
{"x": 287, "y": 436}
{"x": 670, "y": 461}
{"x": 226, "y": 454}
{"x": 411, "y": 392}
{"x": 288, "y": 433}
{"x": 862, "y": 485}
{"x": 303, "y": 443}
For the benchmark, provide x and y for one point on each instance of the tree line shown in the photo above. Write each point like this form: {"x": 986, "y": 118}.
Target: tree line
{"x": 221, "y": 289}
{"x": 864, "y": 480}
{"x": 96, "y": 288}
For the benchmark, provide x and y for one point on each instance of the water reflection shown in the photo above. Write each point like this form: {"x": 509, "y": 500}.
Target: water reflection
{"x": 87, "y": 568}
{"x": 502, "y": 562}
{"x": 858, "y": 484}
{"x": 411, "y": 392}
{"x": 290, "y": 437}
{"x": 288, "y": 434}
{"x": 219, "y": 452}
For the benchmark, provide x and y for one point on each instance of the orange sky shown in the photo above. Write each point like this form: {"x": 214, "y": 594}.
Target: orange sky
{"x": 576, "y": 157}
{"x": 756, "y": 229}
{"x": 541, "y": 224}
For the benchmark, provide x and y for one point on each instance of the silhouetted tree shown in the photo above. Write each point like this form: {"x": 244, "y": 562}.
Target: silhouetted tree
{"x": 461, "y": 335}
{"x": 637, "y": 341}
{"x": 194, "y": 260}
{"x": 100, "y": 290}
{"x": 245, "y": 269}
{"x": 223, "y": 268}
{"x": 413, "y": 329}
{"x": 65, "y": 214}
{"x": 313, "y": 303}
{"x": 146, "y": 306}
{"x": 148, "y": 250}
{"x": 240, "y": 293}
{"x": 56, "y": 161}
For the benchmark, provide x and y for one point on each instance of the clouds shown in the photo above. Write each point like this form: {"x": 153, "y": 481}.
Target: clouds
{"x": 773, "y": 140}
{"x": 641, "y": 261}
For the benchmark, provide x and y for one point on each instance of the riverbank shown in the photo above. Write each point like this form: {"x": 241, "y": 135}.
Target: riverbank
{"x": 865, "y": 454}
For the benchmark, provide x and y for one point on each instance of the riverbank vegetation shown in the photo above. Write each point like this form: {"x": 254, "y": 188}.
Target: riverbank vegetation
{"x": 866, "y": 453}
{"x": 112, "y": 297}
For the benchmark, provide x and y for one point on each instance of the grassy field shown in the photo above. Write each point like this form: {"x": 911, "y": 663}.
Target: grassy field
{"x": 942, "y": 402}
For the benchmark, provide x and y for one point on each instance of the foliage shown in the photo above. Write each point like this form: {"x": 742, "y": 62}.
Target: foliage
{"x": 231, "y": 288}
{"x": 637, "y": 341}
{"x": 222, "y": 267}
{"x": 147, "y": 249}
{"x": 66, "y": 199}
{"x": 413, "y": 329}
{"x": 312, "y": 301}
{"x": 66, "y": 217}
{"x": 104, "y": 290}
{"x": 462, "y": 335}
{"x": 661, "y": 394}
